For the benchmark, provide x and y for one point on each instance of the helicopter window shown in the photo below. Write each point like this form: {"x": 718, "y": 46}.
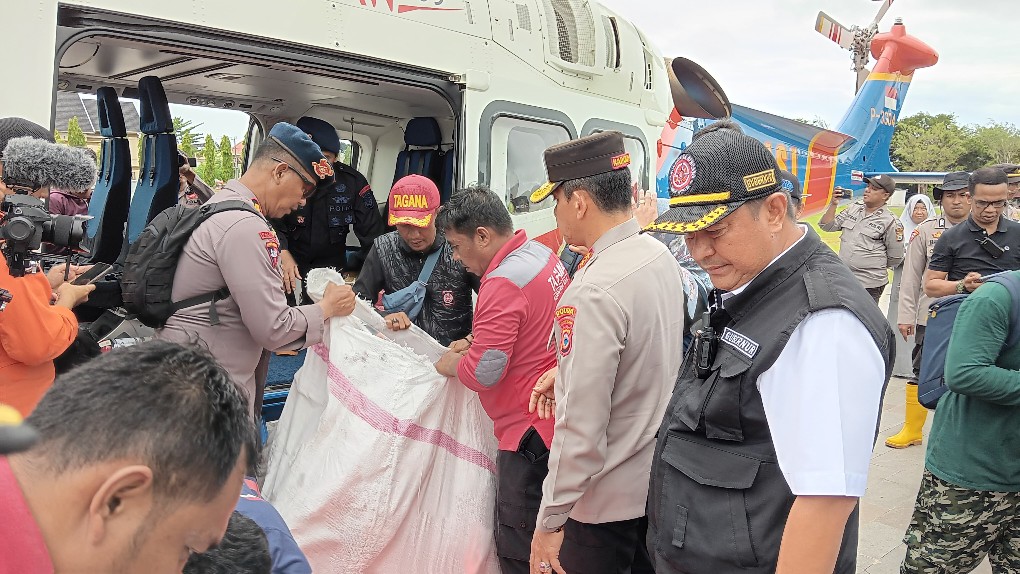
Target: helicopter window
{"x": 612, "y": 42}
{"x": 350, "y": 153}
{"x": 638, "y": 161}
{"x": 522, "y": 156}
{"x": 638, "y": 155}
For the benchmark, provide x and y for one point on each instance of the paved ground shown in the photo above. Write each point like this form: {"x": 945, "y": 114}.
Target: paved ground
{"x": 892, "y": 487}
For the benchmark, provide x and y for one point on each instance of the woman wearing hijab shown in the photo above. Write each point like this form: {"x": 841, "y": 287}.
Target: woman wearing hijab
{"x": 918, "y": 208}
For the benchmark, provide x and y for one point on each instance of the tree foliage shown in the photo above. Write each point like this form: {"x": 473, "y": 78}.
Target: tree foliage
{"x": 226, "y": 152}
{"x": 187, "y": 137}
{"x": 818, "y": 121}
{"x": 926, "y": 142}
{"x": 1000, "y": 141}
{"x": 75, "y": 135}
{"x": 208, "y": 167}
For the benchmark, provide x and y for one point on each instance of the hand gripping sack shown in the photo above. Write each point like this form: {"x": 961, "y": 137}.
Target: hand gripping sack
{"x": 931, "y": 382}
{"x": 151, "y": 263}
{"x": 378, "y": 463}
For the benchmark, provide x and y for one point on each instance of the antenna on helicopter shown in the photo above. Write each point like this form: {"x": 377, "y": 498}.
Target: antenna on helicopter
{"x": 856, "y": 39}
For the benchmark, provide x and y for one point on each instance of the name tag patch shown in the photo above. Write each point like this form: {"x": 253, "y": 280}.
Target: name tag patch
{"x": 741, "y": 343}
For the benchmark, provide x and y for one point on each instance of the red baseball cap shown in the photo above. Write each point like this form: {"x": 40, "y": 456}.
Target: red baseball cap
{"x": 414, "y": 199}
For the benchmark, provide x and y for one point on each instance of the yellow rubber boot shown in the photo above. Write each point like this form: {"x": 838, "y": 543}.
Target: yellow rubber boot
{"x": 912, "y": 427}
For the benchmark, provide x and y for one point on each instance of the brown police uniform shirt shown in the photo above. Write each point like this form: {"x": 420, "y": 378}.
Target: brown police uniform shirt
{"x": 619, "y": 338}
{"x": 870, "y": 243}
{"x": 913, "y": 305}
{"x": 1011, "y": 212}
{"x": 239, "y": 250}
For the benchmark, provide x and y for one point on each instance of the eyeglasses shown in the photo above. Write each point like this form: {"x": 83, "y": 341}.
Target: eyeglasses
{"x": 309, "y": 188}
{"x": 982, "y": 204}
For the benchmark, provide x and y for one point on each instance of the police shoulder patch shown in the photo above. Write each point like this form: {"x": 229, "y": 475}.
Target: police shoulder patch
{"x": 565, "y": 319}
{"x": 273, "y": 249}
{"x": 899, "y": 231}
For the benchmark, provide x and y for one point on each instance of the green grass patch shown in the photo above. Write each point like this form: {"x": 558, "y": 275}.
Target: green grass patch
{"x": 830, "y": 239}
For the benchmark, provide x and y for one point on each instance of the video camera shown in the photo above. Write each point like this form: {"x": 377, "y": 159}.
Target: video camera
{"x": 30, "y": 164}
{"x": 26, "y": 224}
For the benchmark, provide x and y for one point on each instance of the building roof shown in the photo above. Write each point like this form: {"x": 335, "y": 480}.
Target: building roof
{"x": 70, "y": 104}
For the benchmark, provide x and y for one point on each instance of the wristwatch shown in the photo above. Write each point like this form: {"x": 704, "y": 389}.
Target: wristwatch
{"x": 961, "y": 287}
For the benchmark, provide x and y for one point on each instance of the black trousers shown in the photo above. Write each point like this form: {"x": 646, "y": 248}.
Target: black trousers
{"x": 608, "y": 548}
{"x": 876, "y": 292}
{"x": 915, "y": 353}
{"x": 519, "y": 477}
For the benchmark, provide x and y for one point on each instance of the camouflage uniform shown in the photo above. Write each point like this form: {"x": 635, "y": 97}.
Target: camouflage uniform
{"x": 953, "y": 528}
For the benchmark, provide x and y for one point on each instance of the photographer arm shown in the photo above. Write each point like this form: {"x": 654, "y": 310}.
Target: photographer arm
{"x": 32, "y": 331}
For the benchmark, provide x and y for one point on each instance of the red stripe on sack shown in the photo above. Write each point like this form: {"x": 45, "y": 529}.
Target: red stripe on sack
{"x": 381, "y": 420}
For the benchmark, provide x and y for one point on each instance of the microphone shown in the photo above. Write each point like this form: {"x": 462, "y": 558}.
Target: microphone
{"x": 34, "y": 163}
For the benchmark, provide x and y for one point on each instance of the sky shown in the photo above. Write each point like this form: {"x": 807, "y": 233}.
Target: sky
{"x": 767, "y": 55}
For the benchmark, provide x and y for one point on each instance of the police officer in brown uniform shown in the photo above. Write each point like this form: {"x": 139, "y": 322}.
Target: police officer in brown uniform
{"x": 912, "y": 311}
{"x": 872, "y": 237}
{"x": 1012, "y": 210}
{"x": 239, "y": 250}
{"x": 619, "y": 334}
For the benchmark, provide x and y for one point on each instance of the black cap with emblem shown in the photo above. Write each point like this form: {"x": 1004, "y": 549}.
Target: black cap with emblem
{"x": 591, "y": 155}
{"x": 791, "y": 184}
{"x": 953, "y": 181}
{"x": 1012, "y": 171}
{"x": 721, "y": 170}
{"x": 883, "y": 182}
{"x": 308, "y": 154}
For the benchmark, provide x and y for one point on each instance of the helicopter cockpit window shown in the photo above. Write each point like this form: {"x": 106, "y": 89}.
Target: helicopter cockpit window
{"x": 522, "y": 156}
{"x": 638, "y": 162}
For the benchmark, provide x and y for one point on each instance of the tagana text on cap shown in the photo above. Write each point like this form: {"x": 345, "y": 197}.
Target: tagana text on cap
{"x": 306, "y": 152}
{"x": 883, "y": 181}
{"x": 584, "y": 157}
{"x": 414, "y": 200}
{"x": 718, "y": 172}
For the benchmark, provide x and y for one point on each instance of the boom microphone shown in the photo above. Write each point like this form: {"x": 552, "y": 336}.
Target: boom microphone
{"x": 34, "y": 163}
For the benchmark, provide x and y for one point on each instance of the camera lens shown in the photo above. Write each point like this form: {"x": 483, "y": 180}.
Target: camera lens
{"x": 64, "y": 231}
{"x": 18, "y": 229}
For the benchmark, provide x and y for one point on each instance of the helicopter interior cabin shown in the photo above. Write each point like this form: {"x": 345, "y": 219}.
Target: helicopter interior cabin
{"x": 392, "y": 121}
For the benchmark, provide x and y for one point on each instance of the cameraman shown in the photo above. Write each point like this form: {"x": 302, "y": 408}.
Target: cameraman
{"x": 36, "y": 322}
{"x": 193, "y": 191}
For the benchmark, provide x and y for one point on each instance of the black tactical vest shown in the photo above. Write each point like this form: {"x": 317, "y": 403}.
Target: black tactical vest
{"x": 447, "y": 312}
{"x": 718, "y": 502}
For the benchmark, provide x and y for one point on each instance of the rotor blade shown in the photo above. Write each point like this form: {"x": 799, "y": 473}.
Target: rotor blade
{"x": 833, "y": 30}
{"x": 862, "y": 76}
{"x": 881, "y": 12}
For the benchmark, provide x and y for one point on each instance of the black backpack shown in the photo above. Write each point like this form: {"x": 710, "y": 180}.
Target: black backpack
{"x": 152, "y": 262}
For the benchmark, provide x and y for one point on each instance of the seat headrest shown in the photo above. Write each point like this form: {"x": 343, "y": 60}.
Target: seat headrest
{"x": 111, "y": 116}
{"x": 423, "y": 132}
{"x": 154, "y": 108}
